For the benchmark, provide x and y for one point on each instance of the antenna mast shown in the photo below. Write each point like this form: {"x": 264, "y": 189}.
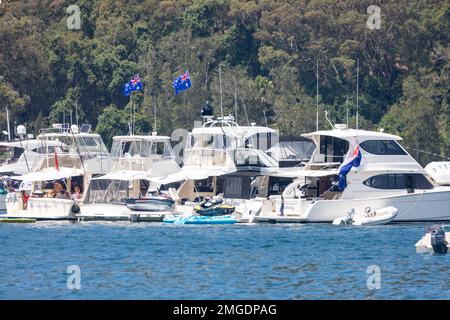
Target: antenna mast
{"x": 346, "y": 107}
{"x": 357, "y": 93}
{"x": 235, "y": 102}
{"x": 317, "y": 95}
{"x": 220, "y": 84}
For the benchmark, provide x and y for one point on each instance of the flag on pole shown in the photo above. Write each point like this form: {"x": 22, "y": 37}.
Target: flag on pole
{"x": 354, "y": 162}
{"x": 182, "y": 82}
{"x": 135, "y": 84}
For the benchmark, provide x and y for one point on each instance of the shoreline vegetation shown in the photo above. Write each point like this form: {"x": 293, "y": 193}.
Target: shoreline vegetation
{"x": 268, "y": 53}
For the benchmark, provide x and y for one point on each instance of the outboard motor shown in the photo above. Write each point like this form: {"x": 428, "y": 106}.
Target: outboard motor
{"x": 438, "y": 241}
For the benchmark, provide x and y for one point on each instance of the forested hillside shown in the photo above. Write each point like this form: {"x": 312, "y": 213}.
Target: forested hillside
{"x": 267, "y": 51}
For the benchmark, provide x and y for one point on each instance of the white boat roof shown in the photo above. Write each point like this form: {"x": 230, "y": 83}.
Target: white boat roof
{"x": 49, "y": 174}
{"x": 70, "y": 134}
{"x": 305, "y": 173}
{"x": 361, "y": 135}
{"x": 140, "y": 137}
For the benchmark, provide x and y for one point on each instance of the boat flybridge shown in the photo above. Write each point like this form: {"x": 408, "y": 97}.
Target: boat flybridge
{"x": 221, "y": 157}
{"x": 21, "y": 157}
{"x": 387, "y": 176}
{"x": 54, "y": 189}
{"x": 136, "y": 159}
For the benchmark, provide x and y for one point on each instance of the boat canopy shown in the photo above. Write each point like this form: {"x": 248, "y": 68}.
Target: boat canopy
{"x": 49, "y": 174}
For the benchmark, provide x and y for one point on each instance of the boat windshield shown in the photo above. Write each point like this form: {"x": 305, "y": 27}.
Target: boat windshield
{"x": 107, "y": 191}
{"x": 85, "y": 144}
{"x": 142, "y": 148}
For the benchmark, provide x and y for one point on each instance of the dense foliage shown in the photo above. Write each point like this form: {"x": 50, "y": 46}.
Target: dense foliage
{"x": 267, "y": 51}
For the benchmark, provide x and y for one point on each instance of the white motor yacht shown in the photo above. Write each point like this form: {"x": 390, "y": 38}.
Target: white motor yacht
{"x": 136, "y": 159}
{"x": 22, "y": 156}
{"x": 386, "y": 176}
{"x": 54, "y": 189}
{"x": 221, "y": 157}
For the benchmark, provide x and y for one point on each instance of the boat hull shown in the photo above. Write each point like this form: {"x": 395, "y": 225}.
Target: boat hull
{"x": 118, "y": 212}
{"x": 150, "y": 204}
{"x": 421, "y": 206}
{"x": 415, "y": 207}
{"x": 40, "y": 208}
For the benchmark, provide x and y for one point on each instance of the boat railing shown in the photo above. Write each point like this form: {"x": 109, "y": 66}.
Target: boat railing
{"x": 134, "y": 163}
{"x": 206, "y": 156}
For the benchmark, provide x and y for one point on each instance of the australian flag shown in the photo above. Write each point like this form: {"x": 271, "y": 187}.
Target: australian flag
{"x": 183, "y": 82}
{"x": 354, "y": 162}
{"x": 134, "y": 84}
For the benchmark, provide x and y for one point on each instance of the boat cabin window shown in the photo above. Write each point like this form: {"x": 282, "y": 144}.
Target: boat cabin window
{"x": 205, "y": 185}
{"x": 91, "y": 144}
{"x": 141, "y": 148}
{"x": 382, "y": 147}
{"x": 334, "y": 149}
{"x": 107, "y": 191}
{"x": 17, "y": 152}
{"x": 396, "y": 181}
{"x": 261, "y": 141}
{"x": 43, "y": 150}
{"x": 206, "y": 140}
{"x": 166, "y": 187}
{"x": 277, "y": 185}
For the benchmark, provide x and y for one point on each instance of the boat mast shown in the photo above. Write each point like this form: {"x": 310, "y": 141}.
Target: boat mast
{"x": 235, "y": 102}
{"x": 317, "y": 95}
{"x": 7, "y": 120}
{"x": 220, "y": 85}
{"x": 357, "y": 93}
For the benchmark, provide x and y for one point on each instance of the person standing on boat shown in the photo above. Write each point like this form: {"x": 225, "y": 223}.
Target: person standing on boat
{"x": 25, "y": 196}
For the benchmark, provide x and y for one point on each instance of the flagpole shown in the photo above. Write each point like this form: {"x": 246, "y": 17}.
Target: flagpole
{"x": 132, "y": 113}
{"x": 357, "y": 94}
{"x": 7, "y": 123}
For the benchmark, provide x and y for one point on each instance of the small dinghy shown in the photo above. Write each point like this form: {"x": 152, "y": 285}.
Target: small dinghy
{"x": 213, "y": 207}
{"x": 371, "y": 218}
{"x": 435, "y": 240}
{"x": 200, "y": 220}
{"x": 157, "y": 203}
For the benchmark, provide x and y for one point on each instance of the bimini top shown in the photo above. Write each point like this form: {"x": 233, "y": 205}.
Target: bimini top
{"x": 361, "y": 135}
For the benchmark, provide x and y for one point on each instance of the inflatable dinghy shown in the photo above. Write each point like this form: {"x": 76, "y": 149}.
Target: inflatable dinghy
{"x": 371, "y": 218}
